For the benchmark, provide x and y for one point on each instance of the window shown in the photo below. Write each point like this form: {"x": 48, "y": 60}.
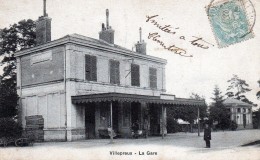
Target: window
{"x": 239, "y": 110}
{"x": 153, "y": 77}
{"x": 114, "y": 72}
{"x": 244, "y": 110}
{"x": 135, "y": 75}
{"x": 91, "y": 68}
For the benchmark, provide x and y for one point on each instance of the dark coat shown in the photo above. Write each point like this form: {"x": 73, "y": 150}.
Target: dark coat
{"x": 135, "y": 127}
{"x": 207, "y": 134}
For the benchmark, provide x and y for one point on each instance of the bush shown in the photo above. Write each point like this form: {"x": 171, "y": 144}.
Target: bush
{"x": 256, "y": 119}
{"x": 223, "y": 124}
{"x": 9, "y": 128}
{"x": 233, "y": 125}
{"x": 255, "y": 123}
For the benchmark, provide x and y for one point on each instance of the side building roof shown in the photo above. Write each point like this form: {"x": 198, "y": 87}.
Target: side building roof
{"x": 232, "y": 101}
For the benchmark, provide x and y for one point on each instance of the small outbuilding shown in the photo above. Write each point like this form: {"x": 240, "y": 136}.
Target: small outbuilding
{"x": 241, "y": 113}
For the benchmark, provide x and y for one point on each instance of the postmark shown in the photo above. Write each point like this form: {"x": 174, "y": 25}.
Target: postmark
{"x": 231, "y": 22}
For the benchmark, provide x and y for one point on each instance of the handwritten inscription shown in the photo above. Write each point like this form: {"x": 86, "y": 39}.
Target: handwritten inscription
{"x": 199, "y": 42}
{"x": 165, "y": 28}
{"x": 155, "y": 37}
{"x": 169, "y": 29}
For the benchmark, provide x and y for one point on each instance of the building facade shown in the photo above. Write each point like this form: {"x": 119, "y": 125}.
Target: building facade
{"x": 82, "y": 85}
{"x": 241, "y": 113}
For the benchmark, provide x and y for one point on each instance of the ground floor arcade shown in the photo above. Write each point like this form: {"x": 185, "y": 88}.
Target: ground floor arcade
{"x": 70, "y": 118}
{"x": 122, "y": 111}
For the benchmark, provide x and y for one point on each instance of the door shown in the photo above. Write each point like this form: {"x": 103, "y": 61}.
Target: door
{"x": 136, "y": 114}
{"x": 244, "y": 120}
{"x": 115, "y": 116}
{"x": 154, "y": 120}
{"x": 90, "y": 120}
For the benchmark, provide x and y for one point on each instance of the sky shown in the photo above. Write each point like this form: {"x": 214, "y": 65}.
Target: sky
{"x": 184, "y": 75}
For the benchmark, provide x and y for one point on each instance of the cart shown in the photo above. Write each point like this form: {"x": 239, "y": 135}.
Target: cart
{"x": 25, "y": 140}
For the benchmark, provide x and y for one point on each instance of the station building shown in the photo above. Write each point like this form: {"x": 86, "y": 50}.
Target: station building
{"x": 82, "y": 85}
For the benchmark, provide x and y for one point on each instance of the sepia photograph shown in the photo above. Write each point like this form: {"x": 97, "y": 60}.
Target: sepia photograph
{"x": 132, "y": 79}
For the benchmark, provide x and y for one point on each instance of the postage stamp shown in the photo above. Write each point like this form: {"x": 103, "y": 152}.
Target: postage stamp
{"x": 229, "y": 22}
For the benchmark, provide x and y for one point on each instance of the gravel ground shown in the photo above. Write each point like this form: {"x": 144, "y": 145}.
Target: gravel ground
{"x": 225, "y": 145}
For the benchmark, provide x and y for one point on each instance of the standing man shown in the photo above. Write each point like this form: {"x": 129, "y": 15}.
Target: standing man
{"x": 207, "y": 135}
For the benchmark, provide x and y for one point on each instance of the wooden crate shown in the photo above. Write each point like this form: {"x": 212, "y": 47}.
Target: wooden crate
{"x": 34, "y": 127}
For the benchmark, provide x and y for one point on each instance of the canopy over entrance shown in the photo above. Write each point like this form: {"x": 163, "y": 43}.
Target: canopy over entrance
{"x": 121, "y": 97}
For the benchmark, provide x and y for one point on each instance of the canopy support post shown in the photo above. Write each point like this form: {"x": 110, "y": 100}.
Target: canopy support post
{"x": 111, "y": 121}
{"x": 162, "y": 122}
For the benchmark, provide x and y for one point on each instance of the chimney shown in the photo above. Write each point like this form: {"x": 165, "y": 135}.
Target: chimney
{"x": 43, "y": 27}
{"x": 140, "y": 45}
{"x": 107, "y": 33}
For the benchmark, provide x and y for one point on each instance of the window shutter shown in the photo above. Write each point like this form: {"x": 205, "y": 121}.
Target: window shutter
{"x": 114, "y": 72}
{"x": 94, "y": 68}
{"x": 88, "y": 67}
{"x": 153, "y": 77}
{"x": 135, "y": 75}
{"x": 117, "y": 72}
{"x": 91, "y": 68}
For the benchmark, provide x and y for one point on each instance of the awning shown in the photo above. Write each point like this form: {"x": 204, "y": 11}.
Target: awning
{"x": 120, "y": 97}
{"x": 180, "y": 121}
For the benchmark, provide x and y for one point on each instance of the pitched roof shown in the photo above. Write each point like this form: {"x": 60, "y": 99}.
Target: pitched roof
{"x": 232, "y": 101}
{"x": 92, "y": 43}
{"x": 99, "y": 41}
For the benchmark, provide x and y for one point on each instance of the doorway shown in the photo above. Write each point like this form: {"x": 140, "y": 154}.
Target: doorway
{"x": 115, "y": 116}
{"x": 136, "y": 114}
{"x": 244, "y": 120}
{"x": 154, "y": 119}
{"x": 90, "y": 120}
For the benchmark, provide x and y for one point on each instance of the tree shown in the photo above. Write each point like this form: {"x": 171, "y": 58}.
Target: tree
{"x": 17, "y": 37}
{"x": 8, "y": 101}
{"x": 14, "y": 38}
{"x": 237, "y": 89}
{"x": 186, "y": 113}
{"x": 256, "y": 119}
{"x": 203, "y": 109}
{"x": 218, "y": 112}
{"x": 256, "y": 114}
{"x": 218, "y": 98}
